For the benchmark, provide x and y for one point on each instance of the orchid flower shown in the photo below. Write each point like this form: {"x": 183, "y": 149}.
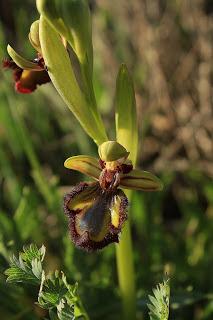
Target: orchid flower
{"x": 98, "y": 210}
{"x": 28, "y": 74}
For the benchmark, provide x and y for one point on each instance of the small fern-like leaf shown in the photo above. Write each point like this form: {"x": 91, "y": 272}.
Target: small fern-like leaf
{"x": 159, "y": 307}
{"x": 55, "y": 293}
{"x": 52, "y": 291}
{"x": 28, "y": 267}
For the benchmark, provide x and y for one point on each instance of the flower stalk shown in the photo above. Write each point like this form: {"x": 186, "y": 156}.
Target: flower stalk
{"x": 126, "y": 271}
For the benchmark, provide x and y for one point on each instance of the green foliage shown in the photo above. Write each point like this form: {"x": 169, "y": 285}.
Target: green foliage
{"x": 159, "y": 307}
{"x": 28, "y": 267}
{"x": 125, "y": 113}
{"x": 55, "y": 294}
{"x": 60, "y": 68}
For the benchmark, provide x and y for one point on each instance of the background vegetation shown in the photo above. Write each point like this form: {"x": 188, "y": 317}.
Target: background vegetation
{"x": 167, "y": 46}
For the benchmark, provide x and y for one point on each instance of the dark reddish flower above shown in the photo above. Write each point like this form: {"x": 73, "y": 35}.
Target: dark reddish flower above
{"x": 27, "y": 74}
{"x": 26, "y": 81}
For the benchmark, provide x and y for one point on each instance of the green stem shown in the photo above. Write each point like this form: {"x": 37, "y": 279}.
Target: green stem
{"x": 126, "y": 273}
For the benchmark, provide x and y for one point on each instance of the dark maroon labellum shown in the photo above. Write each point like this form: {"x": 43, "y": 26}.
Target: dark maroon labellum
{"x": 95, "y": 216}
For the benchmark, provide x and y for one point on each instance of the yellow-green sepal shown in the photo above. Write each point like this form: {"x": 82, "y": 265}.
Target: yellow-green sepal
{"x": 112, "y": 151}
{"x": 125, "y": 113}
{"x": 84, "y": 164}
{"x": 141, "y": 180}
{"x": 22, "y": 62}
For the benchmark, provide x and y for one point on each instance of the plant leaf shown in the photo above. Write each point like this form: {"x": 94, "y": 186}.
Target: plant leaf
{"x": 159, "y": 307}
{"x": 25, "y": 215}
{"x": 55, "y": 294}
{"x": 51, "y": 292}
{"x": 76, "y": 15}
{"x": 28, "y": 268}
{"x": 47, "y": 8}
{"x": 125, "y": 117}
{"x": 59, "y": 68}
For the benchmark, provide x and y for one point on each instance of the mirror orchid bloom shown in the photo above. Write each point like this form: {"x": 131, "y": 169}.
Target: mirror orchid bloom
{"x": 97, "y": 211}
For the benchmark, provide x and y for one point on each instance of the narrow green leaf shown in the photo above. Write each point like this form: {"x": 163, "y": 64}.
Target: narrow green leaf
{"x": 77, "y": 18}
{"x": 22, "y": 62}
{"x": 25, "y": 215}
{"x": 76, "y": 15}
{"x": 125, "y": 107}
{"x": 61, "y": 73}
{"x": 71, "y": 18}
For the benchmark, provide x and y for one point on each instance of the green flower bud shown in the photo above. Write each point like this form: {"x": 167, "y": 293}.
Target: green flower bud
{"x": 112, "y": 151}
{"x": 34, "y": 36}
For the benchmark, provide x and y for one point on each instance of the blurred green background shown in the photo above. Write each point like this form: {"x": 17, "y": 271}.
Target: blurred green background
{"x": 167, "y": 46}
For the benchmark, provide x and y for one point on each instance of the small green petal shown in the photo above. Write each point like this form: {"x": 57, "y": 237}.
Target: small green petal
{"x": 22, "y": 62}
{"x": 141, "y": 180}
{"x": 112, "y": 151}
{"x": 84, "y": 164}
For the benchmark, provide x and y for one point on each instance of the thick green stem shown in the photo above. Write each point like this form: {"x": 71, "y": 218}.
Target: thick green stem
{"x": 126, "y": 273}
